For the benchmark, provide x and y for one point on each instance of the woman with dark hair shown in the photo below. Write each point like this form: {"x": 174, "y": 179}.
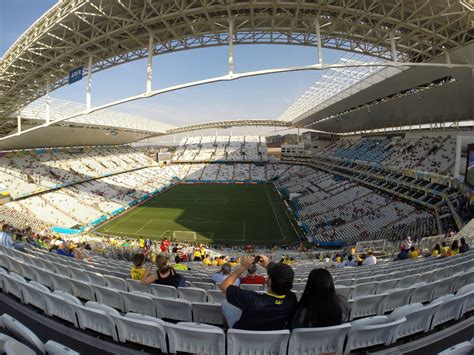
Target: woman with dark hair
{"x": 454, "y": 249}
{"x": 164, "y": 275}
{"x": 320, "y": 306}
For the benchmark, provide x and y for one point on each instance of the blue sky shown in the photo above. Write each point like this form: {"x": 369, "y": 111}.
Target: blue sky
{"x": 260, "y": 97}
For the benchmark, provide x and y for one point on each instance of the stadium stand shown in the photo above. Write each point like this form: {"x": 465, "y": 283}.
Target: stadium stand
{"x": 222, "y": 148}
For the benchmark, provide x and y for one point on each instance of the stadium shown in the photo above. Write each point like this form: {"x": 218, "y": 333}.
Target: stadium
{"x": 159, "y": 156}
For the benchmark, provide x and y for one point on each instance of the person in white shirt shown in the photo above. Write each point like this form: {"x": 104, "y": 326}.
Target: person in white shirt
{"x": 370, "y": 259}
{"x": 407, "y": 244}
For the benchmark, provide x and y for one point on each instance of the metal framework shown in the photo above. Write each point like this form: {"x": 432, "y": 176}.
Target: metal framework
{"x": 35, "y": 113}
{"x": 329, "y": 85}
{"x": 227, "y": 124}
{"x": 99, "y": 34}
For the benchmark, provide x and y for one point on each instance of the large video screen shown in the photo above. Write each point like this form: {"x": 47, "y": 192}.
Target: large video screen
{"x": 470, "y": 165}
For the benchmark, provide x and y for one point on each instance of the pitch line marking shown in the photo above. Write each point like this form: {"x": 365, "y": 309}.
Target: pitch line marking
{"x": 141, "y": 228}
{"x": 274, "y": 213}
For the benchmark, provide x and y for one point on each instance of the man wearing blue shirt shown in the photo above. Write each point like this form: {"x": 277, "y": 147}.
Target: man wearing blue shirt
{"x": 250, "y": 310}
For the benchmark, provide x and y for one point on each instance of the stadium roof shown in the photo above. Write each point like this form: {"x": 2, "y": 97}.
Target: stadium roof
{"x": 35, "y": 113}
{"x": 107, "y": 33}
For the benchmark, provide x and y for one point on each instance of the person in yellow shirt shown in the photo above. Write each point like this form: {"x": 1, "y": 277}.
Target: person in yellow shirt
{"x": 214, "y": 262}
{"x": 444, "y": 247}
{"x": 142, "y": 243}
{"x": 178, "y": 265}
{"x": 206, "y": 261}
{"x": 453, "y": 250}
{"x": 436, "y": 250}
{"x": 412, "y": 254}
{"x": 197, "y": 256}
{"x": 220, "y": 261}
{"x": 137, "y": 272}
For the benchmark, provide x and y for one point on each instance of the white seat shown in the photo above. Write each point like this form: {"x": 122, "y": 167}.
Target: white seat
{"x": 142, "y": 329}
{"x": 61, "y": 283}
{"x": 11, "y": 286}
{"x": 137, "y": 286}
{"x": 82, "y": 290}
{"x": 418, "y": 318}
{"x": 43, "y": 277}
{"x": 60, "y": 307}
{"x": 108, "y": 296}
{"x": 32, "y": 295}
{"x": 24, "y": 334}
{"x": 272, "y": 342}
{"x": 364, "y": 289}
{"x": 423, "y": 293}
{"x": 444, "y": 287}
{"x": 11, "y": 346}
{"x": 345, "y": 291}
{"x": 396, "y": 298}
{"x": 369, "y": 305}
{"x": 215, "y": 296}
{"x": 205, "y": 285}
{"x": 345, "y": 282}
{"x": 449, "y": 309}
{"x": 209, "y": 313}
{"x": 364, "y": 335}
{"x": 164, "y": 291}
{"x": 96, "y": 320}
{"x": 116, "y": 283}
{"x": 250, "y": 287}
{"x": 95, "y": 278}
{"x": 192, "y": 294}
{"x": 464, "y": 348}
{"x": 102, "y": 307}
{"x": 297, "y": 286}
{"x": 178, "y": 309}
{"x": 138, "y": 303}
{"x": 468, "y": 292}
{"x": 54, "y": 348}
{"x": 194, "y": 339}
{"x": 318, "y": 340}
{"x": 383, "y": 286}
{"x": 67, "y": 296}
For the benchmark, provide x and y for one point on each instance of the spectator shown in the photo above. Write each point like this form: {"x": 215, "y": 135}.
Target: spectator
{"x": 453, "y": 250}
{"x": 178, "y": 265}
{"x": 220, "y": 276}
{"x": 320, "y": 306}
{"x": 413, "y": 254}
{"x": 6, "y": 239}
{"x": 436, "y": 250}
{"x": 464, "y": 248}
{"x": 164, "y": 275}
{"x": 253, "y": 311}
{"x": 370, "y": 259}
{"x": 197, "y": 256}
{"x": 138, "y": 271}
{"x": 350, "y": 262}
{"x": 252, "y": 278}
{"x": 66, "y": 250}
{"x": 444, "y": 247}
{"x": 407, "y": 244}
{"x": 206, "y": 261}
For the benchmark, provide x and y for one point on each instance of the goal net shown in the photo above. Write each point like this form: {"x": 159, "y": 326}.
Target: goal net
{"x": 185, "y": 236}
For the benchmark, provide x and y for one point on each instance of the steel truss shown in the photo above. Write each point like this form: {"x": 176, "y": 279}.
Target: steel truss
{"x": 107, "y": 33}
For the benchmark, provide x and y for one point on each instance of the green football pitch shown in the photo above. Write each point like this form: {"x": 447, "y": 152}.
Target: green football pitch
{"x": 220, "y": 213}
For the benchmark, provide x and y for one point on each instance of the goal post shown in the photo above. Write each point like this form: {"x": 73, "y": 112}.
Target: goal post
{"x": 185, "y": 236}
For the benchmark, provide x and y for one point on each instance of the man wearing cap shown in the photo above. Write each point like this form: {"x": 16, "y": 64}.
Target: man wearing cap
{"x": 250, "y": 310}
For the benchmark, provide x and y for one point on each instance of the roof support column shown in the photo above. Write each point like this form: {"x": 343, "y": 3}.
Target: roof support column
{"x": 149, "y": 69}
{"x": 393, "y": 47}
{"x": 89, "y": 84}
{"x": 231, "y": 47}
{"x": 18, "y": 120}
{"x": 319, "y": 47}
{"x": 48, "y": 117}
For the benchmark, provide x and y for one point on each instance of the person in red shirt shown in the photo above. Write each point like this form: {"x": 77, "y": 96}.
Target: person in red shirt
{"x": 252, "y": 278}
